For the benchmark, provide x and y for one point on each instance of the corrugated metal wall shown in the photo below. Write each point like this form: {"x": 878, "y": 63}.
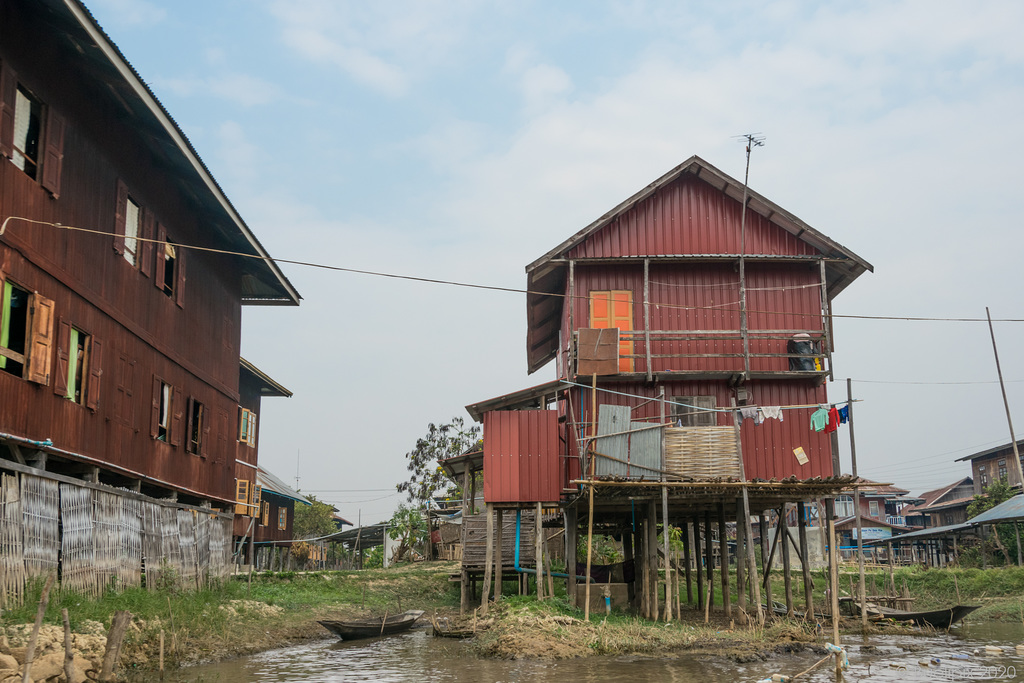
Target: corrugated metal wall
{"x": 767, "y": 448}
{"x": 522, "y": 456}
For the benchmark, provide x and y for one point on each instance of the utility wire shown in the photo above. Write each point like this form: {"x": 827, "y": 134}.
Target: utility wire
{"x": 471, "y": 285}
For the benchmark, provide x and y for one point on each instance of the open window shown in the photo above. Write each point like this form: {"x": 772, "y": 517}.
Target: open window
{"x": 197, "y": 427}
{"x": 31, "y": 134}
{"x": 169, "y": 277}
{"x": 26, "y": 333}
{"x": 282, "y": 518}
{"x": 167, "y": 409}
{"x": 79, "y": 366}
{"x": 247, "y": 426}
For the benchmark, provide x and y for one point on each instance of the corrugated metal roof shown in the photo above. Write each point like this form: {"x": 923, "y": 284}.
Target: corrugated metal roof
{"x": 263, "y": 282}
{"x": 271, "y": 483}
{"x": 1008, "y": 446}
{"x": 268, "y": 386}
{"x": 1007, "y": 511}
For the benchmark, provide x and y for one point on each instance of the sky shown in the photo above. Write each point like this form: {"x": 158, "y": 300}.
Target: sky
{"x": 461, "y": 140}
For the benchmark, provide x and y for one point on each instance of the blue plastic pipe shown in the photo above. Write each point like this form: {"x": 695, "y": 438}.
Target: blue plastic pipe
{"x": 524, "y": 570}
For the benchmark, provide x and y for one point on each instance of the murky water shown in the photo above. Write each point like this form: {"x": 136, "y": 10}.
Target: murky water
{"x": 418, "y": 656}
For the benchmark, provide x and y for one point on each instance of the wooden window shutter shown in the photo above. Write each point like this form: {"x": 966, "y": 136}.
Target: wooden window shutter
{"x": 282, "y": 518}
{"x": 241, "y": 496}
{"x": 145, "y": 246}
{"x": 92, "y": 387}
{"x": 205, "y": 436}
{"x": 60, "y": 380}
{"x": 154, "y": 423}
{"x": 158, "y": 271}
{"x": 265, "y": 520}
{"x": 8, "y": 96}
{"x": 120, "y": 216}
{"x": 614, "y": 308}
{"x": 190, "y": 406}
{"x": 179, "y": 285}
{"x": 53, "y": 152}
{"x": 257, "y": 495}
{"x": 175, "y": 427}
{"x": 40, "y": 345}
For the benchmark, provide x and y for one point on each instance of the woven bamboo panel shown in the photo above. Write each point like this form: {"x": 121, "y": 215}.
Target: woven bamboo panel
{"x": 474, "y": 551}
{"x": 77, "y": 549}
{"x": 701, "y": 452}
{"x": 170, "y": 543}
{"x": 129, "y": 571}
{"x": 220, "y": 548}
{"x": 202, "y": 547}
{"x": 40, "y": 508}
{"x": 12, "y": 558}
{"x": 107, "y": 513}
{"x": 187, "y": 539}
{"x": 152, "y": 547}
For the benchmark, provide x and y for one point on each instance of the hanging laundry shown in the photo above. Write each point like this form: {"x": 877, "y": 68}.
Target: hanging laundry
{"x": 844, "y": 414}
{"x": 769, "y": 412}
{"x": 833, "y": 420}
{"x": 748, "y": 413}
{"x": 819, "y": 419}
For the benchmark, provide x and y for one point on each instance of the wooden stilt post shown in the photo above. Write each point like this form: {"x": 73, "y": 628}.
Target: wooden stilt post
{"x": 464, "y": 589}
{"x": 755, "y": 585}
{"x": 698, "y": 561}
{"x": 787, "y": 567}
{"x": 709, "y": 551}
{"x": 652, "y": 557}
{"x": 741, "y": 557}
{"x": 805, "y": 561}
{"x": 499, "y": 554}
{"x": 723, "y": 554}
{"x": 833, "y": 571}
{"x": 569, "y": 515}
{"x": 687, "y": 546}
{"x": 590, "y": 516}
{"x": 644, "y": 565}
{"x": 766, "y": 570}
{"x": 628, "y": 541}
{"x": 668, "y": 557}
{"x": 488, "y": 559}
{"x": 538, "y": 549}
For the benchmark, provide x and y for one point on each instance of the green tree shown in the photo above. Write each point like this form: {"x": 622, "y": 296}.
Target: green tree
{"x": 311, "y": 521}
{"x": 441, "y": 442}
{"x": 408, "y": 527}
{"x": 1005, "y": 537}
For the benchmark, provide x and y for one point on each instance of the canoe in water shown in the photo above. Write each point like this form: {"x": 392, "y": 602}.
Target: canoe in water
{"x": 371, "y": 628}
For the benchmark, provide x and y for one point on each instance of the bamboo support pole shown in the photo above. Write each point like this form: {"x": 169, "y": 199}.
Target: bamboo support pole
{"x": 668, "y": 563}
{"x": 538, "y": 549}
{"x": 698, "y": 561}
{"x": 709, "y": 551}
{"x": 787, "y": 574}
{"x": 723, "y": 554}
{"x": 741, "y": 558}
{"x": 488, "y": 559}
{"x": 499, "y": 543}
{"x": 805, "y": 560}
{"x": 652, "y": 557}
{"x": 687, "y": 535}
{"x": 590, "y": 517}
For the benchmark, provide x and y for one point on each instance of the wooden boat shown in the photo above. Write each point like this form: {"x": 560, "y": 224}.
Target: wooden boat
{"x": 938, "y": 618}
{"x": 372, "y": 628}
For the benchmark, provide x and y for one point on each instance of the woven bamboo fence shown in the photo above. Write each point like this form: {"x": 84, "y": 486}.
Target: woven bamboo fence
{"x": 12, "y": 557}
{"x": 701, "y": 453}
{"x": 189, "y": 559}
{"x": 77, "y": 543}
{"x": 99, "y": 540}
{"x": 129, "y": 568}
{"x": 40, "y": 509}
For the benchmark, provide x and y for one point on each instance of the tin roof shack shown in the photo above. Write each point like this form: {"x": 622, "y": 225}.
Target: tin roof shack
{"x": 254, "y": 519}
{"x": 942, "y": 507}
{"x": 119, "y": 344}
{"x": 994, "y": 464}
{"x": 665, "y": 317}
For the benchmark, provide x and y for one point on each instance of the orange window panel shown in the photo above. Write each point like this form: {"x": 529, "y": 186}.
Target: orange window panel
{"x": 614, "y": 308}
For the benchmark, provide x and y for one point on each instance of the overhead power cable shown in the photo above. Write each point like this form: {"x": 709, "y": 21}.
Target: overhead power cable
{"x": 471, "y": 285}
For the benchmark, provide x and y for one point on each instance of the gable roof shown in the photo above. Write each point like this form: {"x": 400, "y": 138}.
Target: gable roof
{"x": 91, "y": 56}
{"x": 1008, "y": 446}
{"x": 934, "y": 498}
{"x": 268, "y": 387}
{"x": 270, "y": 482}
{"x": 546, "y": 275}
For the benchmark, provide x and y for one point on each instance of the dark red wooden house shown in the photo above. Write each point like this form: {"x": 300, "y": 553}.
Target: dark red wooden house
{"x": 120, "y": 335}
